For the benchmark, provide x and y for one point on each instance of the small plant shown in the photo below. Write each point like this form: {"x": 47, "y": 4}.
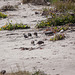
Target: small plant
{"x": 57, "y": 37}
{"x": 2, "y": 15}
{"x": 14, "y": 26}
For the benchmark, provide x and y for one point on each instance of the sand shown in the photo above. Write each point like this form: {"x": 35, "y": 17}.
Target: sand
{"x": 53, "y": 57}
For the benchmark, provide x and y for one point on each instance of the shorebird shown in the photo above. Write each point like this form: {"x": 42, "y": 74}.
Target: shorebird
{"x": 3, "y": 72}
{"x": 35, "y": 33}
{"x": 40, "y": 42}
{"x": 25, "y": 36}
{"x": 29, "y": 34}
{"x": 32, "y": 42}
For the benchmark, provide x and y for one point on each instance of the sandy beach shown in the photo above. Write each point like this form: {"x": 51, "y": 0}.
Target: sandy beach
{"x": 54, "y": 58}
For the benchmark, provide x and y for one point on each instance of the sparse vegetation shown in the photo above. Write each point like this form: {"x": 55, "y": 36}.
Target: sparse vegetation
{"x": 58, "y": 28}
{"x": 63, "y": 7}
{"x": 2, "y": 15}
{"x": 66, "y": 6}
{"x": 46, "y": 11}
{"x": 53, "y": 1}
{"x": 19, "y": 73}
{"x": 26, "y": 73}
{"x": 39, "y": 73}
{"x": 8, "y": 8}
{"x": 14, "y": 26}
{"x": 55, "y": 24}
{"x": 26, "y": 1}
{"x": 38, "y": 2}
{"x": 57, "y": 20}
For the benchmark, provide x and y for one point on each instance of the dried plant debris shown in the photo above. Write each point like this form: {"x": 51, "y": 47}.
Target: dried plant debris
{"x": 8, "y": 8}
{"x": 57, "y": 37}
{"x": 36, "y": 2}
{"x": 49, "y": 33}
{"x": 29, "y": 48}
{"x": 26, "y": 48}
{"x": 12, "y": 34}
